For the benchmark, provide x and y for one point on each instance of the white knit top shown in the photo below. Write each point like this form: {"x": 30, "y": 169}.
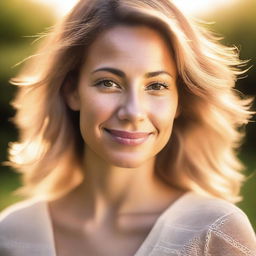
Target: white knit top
{"x": 192, "y": 226}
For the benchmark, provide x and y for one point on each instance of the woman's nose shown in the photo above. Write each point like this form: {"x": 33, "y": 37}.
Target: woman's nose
{"x": 132, "y": 108}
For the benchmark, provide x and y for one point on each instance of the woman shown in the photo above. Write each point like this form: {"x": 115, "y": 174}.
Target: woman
{"x": 128, "y": 122}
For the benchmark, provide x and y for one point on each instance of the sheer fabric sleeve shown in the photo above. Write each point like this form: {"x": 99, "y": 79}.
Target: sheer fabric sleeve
{"x": 25, "y": 230}
{"x": 231, "y": 234}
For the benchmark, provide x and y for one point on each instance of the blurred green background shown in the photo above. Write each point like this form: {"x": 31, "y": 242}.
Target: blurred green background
{"x": 20, "y": 20}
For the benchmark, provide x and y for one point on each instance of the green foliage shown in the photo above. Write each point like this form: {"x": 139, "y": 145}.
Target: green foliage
{"x": 22, "y": 18}
{"x": 238, "y": 26}
{"x": 248, "y": 204}
{"x": 237, "y": 23}
{"x": 9, "y": 182}
{"x": 19, "y": 20}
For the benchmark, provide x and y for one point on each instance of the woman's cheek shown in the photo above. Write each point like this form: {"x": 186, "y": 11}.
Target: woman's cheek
{"x": 164, "y": 109}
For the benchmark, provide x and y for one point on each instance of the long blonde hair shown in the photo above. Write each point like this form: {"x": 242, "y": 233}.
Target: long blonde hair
{"x": 201, "y": 154}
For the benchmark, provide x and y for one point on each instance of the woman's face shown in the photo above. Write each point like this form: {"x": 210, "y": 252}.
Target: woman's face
{"x": 127, "y": 96}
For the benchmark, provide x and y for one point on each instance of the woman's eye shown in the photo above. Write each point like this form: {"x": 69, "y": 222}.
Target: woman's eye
{"x": 107, "y": 84}
{"x": 157, "y": 86}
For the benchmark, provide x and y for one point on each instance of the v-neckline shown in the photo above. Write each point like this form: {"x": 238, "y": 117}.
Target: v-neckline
{"x": 143, "y": 244}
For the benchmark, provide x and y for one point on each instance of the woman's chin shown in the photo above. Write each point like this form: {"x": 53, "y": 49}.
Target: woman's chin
{"x": 128, "y": 162}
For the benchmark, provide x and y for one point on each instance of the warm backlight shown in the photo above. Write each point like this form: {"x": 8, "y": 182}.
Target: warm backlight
{"x": 193, "y": 7}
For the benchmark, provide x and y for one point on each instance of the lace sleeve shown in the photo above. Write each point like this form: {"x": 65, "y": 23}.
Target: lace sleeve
{"x": 231, "y": 235}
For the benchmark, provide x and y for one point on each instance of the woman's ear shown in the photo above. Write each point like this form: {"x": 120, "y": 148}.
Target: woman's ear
{"x": 71, "y": 94}
{"x": 73, "y": 100}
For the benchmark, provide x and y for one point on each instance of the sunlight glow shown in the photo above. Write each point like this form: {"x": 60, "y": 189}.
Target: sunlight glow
{"x": 60, "y": 7}
{"x": 197, "y": 7}
{"x": 192, "y": 7}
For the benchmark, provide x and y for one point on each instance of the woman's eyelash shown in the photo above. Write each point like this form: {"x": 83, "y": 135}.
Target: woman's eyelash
{"x": 160, "y": 84}
{"x": 156, "y": 86}
{"x": 106, "y": 83}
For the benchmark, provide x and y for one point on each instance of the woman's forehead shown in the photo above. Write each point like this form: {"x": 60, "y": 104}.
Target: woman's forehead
{"x": 137, "y": 45}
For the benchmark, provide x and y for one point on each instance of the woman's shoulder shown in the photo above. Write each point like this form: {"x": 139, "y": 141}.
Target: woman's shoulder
{"x": 209, "y": 212}
{"x": 25, "y": 229}
{"x": 211, "y": 225}
{"x": 193, "y": 207}
{"x": 25, "y": 210}
{"x": 21, "y": 217}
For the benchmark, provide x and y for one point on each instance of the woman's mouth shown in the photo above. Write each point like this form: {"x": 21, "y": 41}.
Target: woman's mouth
{"x": 128, "y": 138}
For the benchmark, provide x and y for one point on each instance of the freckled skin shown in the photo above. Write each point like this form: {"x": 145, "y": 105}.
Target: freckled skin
{"x": 127, "y": 103}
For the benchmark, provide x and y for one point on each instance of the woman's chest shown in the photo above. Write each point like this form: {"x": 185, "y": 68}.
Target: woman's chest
{"x": 123, "y": 236}
{"x": 98, "y": 243}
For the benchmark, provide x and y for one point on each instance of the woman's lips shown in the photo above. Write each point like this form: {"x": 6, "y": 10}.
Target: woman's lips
{"x": 128, "y": 135}
{"x": 128, "y": 138}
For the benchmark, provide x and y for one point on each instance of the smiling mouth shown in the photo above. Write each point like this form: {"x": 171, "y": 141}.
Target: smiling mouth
{"x": 128, "y": 138}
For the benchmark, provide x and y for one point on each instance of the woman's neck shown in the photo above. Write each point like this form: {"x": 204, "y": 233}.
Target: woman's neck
{"x": 109, "y": 192}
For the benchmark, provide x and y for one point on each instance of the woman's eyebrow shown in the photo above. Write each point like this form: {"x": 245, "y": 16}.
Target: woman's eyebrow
{"x": 120, "y": 73}
{"x": 115, "y": 71}
{"x": 157, "y": 73}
